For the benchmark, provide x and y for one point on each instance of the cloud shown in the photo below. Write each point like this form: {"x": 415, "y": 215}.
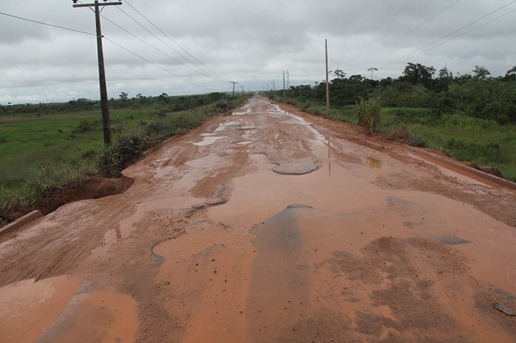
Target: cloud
{"x": 249, "y": 42}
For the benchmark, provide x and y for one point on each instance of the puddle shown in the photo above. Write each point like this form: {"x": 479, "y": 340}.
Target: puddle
{"x": 453, "y": 240}
{"x": 208, "y": 140}
{"x": 224, "y": 125}
{"x": 300, "y": 167}
{"x": 246, "y": 110}
{"x": 105, "y": 316}
{"x": 209, "y": 161}
{"x": 28, "y": 308}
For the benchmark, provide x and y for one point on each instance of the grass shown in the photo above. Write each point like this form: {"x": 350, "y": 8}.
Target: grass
{"x": 41, "y": 153}
{"x": 483, "y": 142}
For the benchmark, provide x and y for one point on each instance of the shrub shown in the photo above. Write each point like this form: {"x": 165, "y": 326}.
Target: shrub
{"x": 368, "y": 112}
{"x": 127, "y": 149}
{"x": 86, "y": 126}
{"x": 405, "y": 135}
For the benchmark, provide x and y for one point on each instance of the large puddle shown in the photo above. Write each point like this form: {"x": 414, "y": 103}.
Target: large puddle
{"x": 29, "y": 308}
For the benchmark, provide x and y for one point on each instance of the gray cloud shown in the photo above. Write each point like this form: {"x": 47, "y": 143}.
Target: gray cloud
{"x": 250, "y": 42}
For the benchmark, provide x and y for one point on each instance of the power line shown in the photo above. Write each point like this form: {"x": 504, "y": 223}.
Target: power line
{"x": 173, "y": 41}
{"x": 475, "y": 28}
{"x": 156, "y": 65}
{"x": 410, "y": 31}
{"x": 455, "y": 31}
{"x": 150, "y": 45}
{"x": 47, "y": 24}
{"x": 153, "y": 47}
{"x": 168, "y": 45}
{"x": 111, "y": 41}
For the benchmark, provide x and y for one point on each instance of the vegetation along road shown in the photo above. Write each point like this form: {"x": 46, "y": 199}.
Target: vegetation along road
{"x": 269, "y": 224}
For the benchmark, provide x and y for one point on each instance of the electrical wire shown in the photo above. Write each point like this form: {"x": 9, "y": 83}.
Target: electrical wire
{"x": 156, "y": 65}
{"x": 155, "y": 48}
{"x": 148, "y": 44}
{"x": 47, "y": 24}
{"x": 111, "y": 41}
{"x": 456, "y": 31}
{"x": 167, "y": 45}
{"x": 410, "y": 31}
{"x": 475, "y": 28}
{"x": 173, "y": 41}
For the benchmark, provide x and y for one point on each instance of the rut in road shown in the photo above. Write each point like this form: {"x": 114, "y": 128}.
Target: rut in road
{"x": 270, "y": 225}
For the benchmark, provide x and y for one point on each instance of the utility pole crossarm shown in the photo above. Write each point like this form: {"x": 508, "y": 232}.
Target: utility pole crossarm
{"x": 100, "y": 4}
{"x": 234, "y": 83}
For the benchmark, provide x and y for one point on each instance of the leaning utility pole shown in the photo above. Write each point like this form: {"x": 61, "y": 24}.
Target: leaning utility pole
{"x": 234, "y": 83}
{"x": 327, "y": 76}
{"x": 102, "y": 72}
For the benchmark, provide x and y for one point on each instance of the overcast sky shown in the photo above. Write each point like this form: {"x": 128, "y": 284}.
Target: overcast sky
{"x": 250, "y": 42}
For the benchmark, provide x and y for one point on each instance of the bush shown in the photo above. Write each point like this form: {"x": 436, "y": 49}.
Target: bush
{"x": 126, "y": 150}
{"x": 86, "y": 126}
{"x": 368, "y": 112}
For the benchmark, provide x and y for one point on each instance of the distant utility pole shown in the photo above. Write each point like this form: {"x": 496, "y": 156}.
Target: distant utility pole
{"x": 284, "y": 90}
{"x": 234, "y": 83}
{"x": 327, "y": 76}
{"x": 274, "y": 86}
{"x": 288, "y": 80}
{"x": 106, "y": 125}
{"x": 242, "y": 86}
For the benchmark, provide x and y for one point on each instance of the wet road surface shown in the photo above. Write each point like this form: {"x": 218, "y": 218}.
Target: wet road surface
{"x": 270, "y": 225}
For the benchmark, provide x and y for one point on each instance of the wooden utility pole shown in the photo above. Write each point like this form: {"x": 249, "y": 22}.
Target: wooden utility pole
{"x": 327, "y": 76}
{"x": 106, "y": 125}
{"x": 284, "y": 89}
{"x": 234, "y": 83}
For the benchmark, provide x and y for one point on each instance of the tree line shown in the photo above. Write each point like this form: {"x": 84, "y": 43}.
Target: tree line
{"x": 165, "y": 101}
{"x": 477, "y": 94}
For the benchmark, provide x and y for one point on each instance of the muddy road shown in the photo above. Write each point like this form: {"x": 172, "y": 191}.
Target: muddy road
{"x": 270, "y": 225}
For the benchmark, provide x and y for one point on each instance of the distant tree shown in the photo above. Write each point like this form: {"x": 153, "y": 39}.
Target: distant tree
{"x": 480, "y": 73}
{"x": 511, "y": 74}
{"x": 339, "y": 73}
{"x": 444, "y": 73}
{"x": 372, "y": 70}
{"x": 444, "y": 80}
{"x": 124, "y": 96}
{"x": 418, "y": 74}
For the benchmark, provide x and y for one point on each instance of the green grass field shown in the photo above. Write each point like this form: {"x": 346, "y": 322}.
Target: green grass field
{"x": 42, "y": 152}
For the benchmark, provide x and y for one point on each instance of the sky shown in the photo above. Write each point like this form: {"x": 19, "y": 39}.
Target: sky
{"x": 198, "y": 46}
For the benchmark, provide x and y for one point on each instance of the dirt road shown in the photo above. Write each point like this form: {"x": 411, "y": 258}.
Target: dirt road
{"x": 270, "y": 225}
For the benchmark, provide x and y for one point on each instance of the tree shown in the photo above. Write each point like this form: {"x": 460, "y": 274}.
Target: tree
{"x": 511, "y": 74}
{"x": 339, "y": 73}
{"x": 444, "y": 80}
{"x": 124, "y": 96}
{"x": 418, "y": 74}
{"x": 372, "y": 70}
{"x": 480, "y": 73}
